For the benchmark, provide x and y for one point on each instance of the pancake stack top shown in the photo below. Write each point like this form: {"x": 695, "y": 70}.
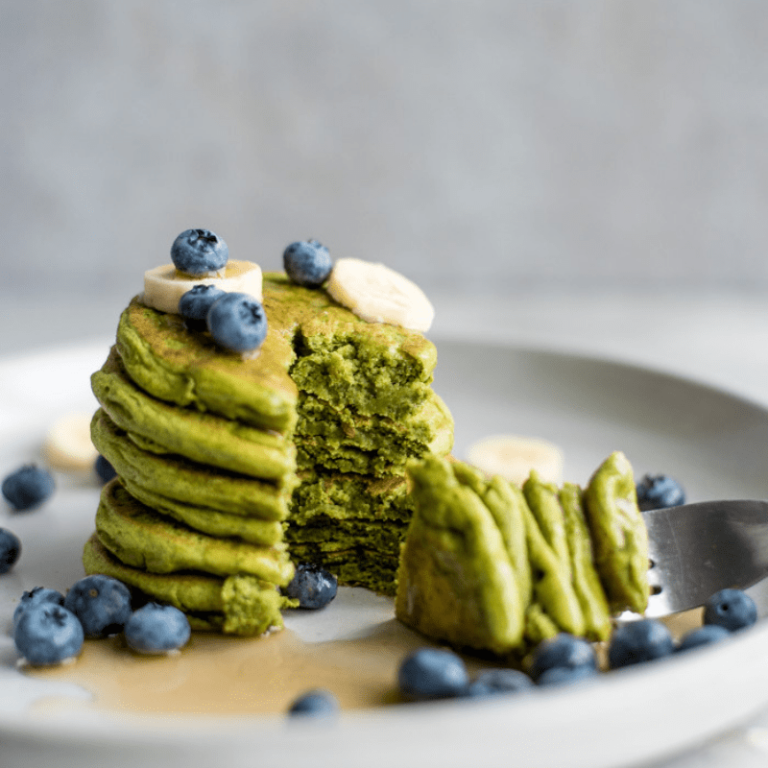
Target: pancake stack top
{"x": 229, "y": 468}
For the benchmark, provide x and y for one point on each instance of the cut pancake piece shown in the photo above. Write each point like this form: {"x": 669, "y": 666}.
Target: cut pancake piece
{"x": 466, "y": 529}
{"x": 619, "y": 535}
{"x": 456, "y": 581}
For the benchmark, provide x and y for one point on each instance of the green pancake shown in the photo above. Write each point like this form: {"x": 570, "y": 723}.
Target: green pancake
{"x": 202, "y": 437}
{"x": 185, "y": 481}
{"x": 618, "y": 533}
{"x": 144, "y": 539}
{"x": 358, "y": 567}
{"x": 381, "y": 501}
{"x": 456, "y": 581}
{"x": 313, "y": 345}
{"x": 340, "y": 440}
{"x": 240, "y": 604}
{"x": 465, "y": 578}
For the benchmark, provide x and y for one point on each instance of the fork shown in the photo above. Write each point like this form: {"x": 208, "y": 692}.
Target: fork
{"x": 698, "y": 549}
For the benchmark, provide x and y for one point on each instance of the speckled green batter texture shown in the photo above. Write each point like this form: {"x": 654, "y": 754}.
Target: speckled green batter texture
{"x": 489, "y": 566}
{"x": 222, "y": 462}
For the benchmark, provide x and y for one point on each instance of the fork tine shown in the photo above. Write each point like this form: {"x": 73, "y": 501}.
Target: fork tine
{"x": 698, "y": 549}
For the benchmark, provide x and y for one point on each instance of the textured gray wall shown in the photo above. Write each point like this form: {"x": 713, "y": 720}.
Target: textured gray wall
{"x": 486, "y": 144}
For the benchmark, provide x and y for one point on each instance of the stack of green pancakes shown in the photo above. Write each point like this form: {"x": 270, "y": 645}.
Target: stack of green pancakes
{"x": 495, "y": 567}
{"x": 229, "y": 470}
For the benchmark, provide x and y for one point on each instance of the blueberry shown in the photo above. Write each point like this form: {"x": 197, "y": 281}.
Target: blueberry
{"x": 659, "y": 491}
{"x": 562, "y": 650}
{"x": 237, "y": 322}
{"x": 35, "y": 597}
{"x": 104, "y": 469}
{"x": 709, "y": 633}
{"x": 10, "y": 549}
{"x": 429, "y": 673}
{"x": 198, "y": 251}
{"x": 47, "y": 633}
{"x": 312, "y": 586}
{"x": 730, "y": 608}
{"x": 639, "y": 641}
{"x": 316, "y": 703}
{"x": 27, "y": 487}
{"x": 156, "y": 628}
{"x": 307, "y": 263}
{"x": 492, "y": 682}
{"x": 102, "y": 604}
{"x": 565, "y": 675}
{"x": 195, "y": 304}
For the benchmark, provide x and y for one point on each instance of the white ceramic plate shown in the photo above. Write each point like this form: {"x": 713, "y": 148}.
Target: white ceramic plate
{"x": 712, "y": 441}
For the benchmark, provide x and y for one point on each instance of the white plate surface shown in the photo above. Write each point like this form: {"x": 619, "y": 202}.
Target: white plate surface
{"x": 712, "y": 441}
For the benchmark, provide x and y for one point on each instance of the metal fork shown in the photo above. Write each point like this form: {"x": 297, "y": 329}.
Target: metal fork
{"x": 698, "y": 549}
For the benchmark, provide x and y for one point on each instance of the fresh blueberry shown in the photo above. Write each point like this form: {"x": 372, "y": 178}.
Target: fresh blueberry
{"x": 47, "y": 633}
{"x": 195, "y": 304}
{"x": 198, "y": 251}
{"x": 102, "y": 604}
{"x": 27, "y": 487}
{"x": 10, "y": 549}
{"x": 730, "y": 608}
{"x": 34, "y": 597}
{"x": 104, "y": 469}
{"x": 659, "y": 491}
{"x": 565, "y": 675}
{"x": 315, "y": 703}
{"x": 156, "y": 628}
{"x": 562, "y": 650}
{"x": 307, "y": 263}
{"x": 709, "y": 633}
{"x": 492, "y": 682}
{"x": 429, "y": 673}
{"x": 639, "y": 641}
{"x": 312, "y": 586}
{"x": 237, "y": 322}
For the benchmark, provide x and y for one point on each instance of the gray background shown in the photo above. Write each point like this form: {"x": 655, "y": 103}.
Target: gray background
{"x": 486, "y": 147}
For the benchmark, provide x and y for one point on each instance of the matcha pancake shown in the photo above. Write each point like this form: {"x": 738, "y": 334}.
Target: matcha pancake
{"x": 461, "y": 578}
{"x": 328, "y": 535}
{"x": 381, "y": 501}
{"x": 191, "y": 484}
{"x": 341, "y": 440}
{"x": 456, "y": 580}
{"x": 358, "y": 567}
{"x": 201, "y": 437}
{"x": 237, "y": 604}
{"x": 144, "y": 539}
{"x": 313, "y": 345}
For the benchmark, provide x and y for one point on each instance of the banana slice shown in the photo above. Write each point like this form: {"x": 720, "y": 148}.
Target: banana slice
{"x": 68, "y": 445}
{"x": 513, "y": 457}
{"x": 164, "y": 286}
{"x": 378, "y": 294}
